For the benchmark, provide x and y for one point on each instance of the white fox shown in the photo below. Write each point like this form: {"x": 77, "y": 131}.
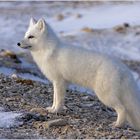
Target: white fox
{"x": 62, "y": 64}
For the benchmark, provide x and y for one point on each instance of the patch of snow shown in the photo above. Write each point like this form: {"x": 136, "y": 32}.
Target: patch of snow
{"x": 10, "y": 72}
{"x": 137, "y": 78}
{"x": 80, "y": 89}
{"x": 32, "y": 77}
{"x": 9, "y": 119}
{"x": 135, "y": 75}
{"x": 131, "y": 53}
{"x": 6, "y": 71}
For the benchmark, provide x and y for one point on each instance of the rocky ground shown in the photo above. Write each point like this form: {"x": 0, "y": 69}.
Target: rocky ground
{"x": 84, "y": 116}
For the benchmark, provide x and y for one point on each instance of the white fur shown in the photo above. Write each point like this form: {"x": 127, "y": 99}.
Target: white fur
{"x": 63, "y": 64}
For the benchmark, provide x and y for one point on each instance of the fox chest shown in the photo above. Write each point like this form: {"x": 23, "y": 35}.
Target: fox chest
{"x": 47, "y": 68}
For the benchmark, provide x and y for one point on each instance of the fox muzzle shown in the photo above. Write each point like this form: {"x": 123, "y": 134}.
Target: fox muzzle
{"x": 23, "y": 46}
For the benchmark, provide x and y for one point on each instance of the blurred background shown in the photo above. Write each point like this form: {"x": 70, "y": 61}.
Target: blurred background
{"x": 68, "y": 19}
{"x": 108, "y": 27}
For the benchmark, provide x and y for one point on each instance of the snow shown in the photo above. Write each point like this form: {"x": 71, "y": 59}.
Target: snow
{"x": 11, "y": 72}
{"x": 132, "y": 53}
{"x": 6, "y": 71}
{"x": 100, "y": 17}
{"x": 75, "y": 87}
{"x": 32, "y": 77}
{"x": 14, "y": 19}
{"x": 8, "y": 119}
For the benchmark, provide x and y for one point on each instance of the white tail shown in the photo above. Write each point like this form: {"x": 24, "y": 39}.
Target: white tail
{"x": 132, "y": 105}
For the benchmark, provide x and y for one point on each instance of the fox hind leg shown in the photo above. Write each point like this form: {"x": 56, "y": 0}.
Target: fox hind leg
{"x": 121, "y": 116}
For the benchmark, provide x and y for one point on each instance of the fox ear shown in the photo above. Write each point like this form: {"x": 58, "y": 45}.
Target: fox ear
{"x": 41, "y": 24}
{"x": 32, "y": 21}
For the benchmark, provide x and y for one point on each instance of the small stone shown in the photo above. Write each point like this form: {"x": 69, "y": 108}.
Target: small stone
{"x": 87, "y": 29}
{"x": 120, "y": 29}
{"x": 57, "y": 122}
{"x": 87, "y": 105}
{"x": 126, "y": 25}
{"x": 48, "y": 124}
{"x": 26, "y": 117}
{"x": 14, "y": 76}
{"x": 30, "y": 117}
{"x": 25, "y": 81}
{"x": 88, "y": 98}
{"x": 137, "y": 33}
{"x": 10, "y": 54}
{"x": 60, "y": 17}
{"x": 78, "y": 16}
{"x": 41, "y": 111}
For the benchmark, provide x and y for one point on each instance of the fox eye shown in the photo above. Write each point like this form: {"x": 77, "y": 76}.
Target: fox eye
{"x": 30, "y": 37}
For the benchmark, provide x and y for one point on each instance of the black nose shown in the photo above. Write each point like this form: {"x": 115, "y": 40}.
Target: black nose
{"x": 18, "y": 44}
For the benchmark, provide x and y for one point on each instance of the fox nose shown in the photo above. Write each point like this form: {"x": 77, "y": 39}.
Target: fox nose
{"x": 18, "y": 44}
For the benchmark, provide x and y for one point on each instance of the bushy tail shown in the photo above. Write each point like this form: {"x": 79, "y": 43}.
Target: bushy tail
{"x": 132, "y": 105}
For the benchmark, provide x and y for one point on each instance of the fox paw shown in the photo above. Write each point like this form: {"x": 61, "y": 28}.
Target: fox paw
{"x": 50, "y": 109}
{"x": 114, "y": 125}
{"x": 53, "y": 110}
{"x": 118, "y": 125}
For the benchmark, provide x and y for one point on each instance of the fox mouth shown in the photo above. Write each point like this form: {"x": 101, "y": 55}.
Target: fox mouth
{"x": 23, "y": 47}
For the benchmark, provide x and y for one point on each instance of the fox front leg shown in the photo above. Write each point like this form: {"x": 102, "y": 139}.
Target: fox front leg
{"x": 51, "y": 108}
{"x": 58, "y": 98}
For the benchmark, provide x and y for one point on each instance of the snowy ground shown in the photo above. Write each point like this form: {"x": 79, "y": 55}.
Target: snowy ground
{"x": 14, "y": 18}
{"x": 8, "y": 119}
{"x": 69, "y": 21}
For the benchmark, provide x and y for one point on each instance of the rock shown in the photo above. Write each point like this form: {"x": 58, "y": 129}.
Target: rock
{"x": 26, "y": 117}
{"x": 87, "y": 105}
{"x": 24, "y": 81}
{"x": 137, "y": 33}
{"x": 60, "y": 17}
{"x": 10, "y": 54}
{"x": 88, "y": 98}
{"x": 41, "y": 111}
{"x": 78, "y": 16}
{"x": 126, "y": 25}
{"x": 14, "y": 76}
{"x": 121, "y": 28}
{"x": 57, "y": 122}
{"x": 87, "y": 29}
{"x": 30, "y": 117}
{"x": 48, "y": 124}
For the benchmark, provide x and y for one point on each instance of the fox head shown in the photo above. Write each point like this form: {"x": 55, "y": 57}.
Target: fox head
{"x": 35, "y": 36}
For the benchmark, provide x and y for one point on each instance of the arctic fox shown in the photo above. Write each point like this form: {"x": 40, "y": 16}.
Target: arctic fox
{"x": 62, "y": 64}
